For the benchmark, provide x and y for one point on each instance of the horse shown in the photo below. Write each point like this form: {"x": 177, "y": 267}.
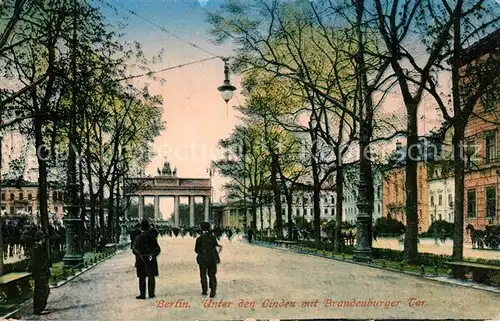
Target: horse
{"x": 477, "y": 236}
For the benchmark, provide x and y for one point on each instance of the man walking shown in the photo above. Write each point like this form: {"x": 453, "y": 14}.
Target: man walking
{"x": 250, "y": 235}
{"x": 41, "y": 273}
{"x": 207, "y": 258}
{"x": 146, "y": 249}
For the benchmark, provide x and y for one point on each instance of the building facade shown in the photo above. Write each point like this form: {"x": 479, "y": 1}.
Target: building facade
{"x": 23, "y": 197}
{"x": 482, "y": 158}
{"x": 394, "y": 192}
{"x": 441, "y": 194}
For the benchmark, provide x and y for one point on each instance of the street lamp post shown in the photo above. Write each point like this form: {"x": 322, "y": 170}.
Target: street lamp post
{"x": 226, "y": 90}
{"x": 72, "y": 221}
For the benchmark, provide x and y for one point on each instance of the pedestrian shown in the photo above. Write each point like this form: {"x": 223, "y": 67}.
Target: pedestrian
{"x": 41, "y": 273}
{"x": 146, "y": 249}
{"x": 208, "y": 250}
{"x": 250, "y": 235}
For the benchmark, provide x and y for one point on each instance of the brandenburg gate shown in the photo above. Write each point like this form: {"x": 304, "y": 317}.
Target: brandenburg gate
{"x": 168, "y": 184}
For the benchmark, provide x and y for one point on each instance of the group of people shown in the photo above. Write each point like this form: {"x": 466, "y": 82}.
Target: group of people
{"x": 18, "y": 233}
{"x": 144, "y": 244}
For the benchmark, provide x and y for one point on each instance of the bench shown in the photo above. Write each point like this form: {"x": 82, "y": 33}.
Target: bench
{"x": 14, "y": 284}
{"x": 110, "y": 247}
{"x": 286, "y": 244}
{"x": 481, "y": 273}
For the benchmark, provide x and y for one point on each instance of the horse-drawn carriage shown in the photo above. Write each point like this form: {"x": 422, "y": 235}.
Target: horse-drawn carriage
{"x": 489, "y": 238}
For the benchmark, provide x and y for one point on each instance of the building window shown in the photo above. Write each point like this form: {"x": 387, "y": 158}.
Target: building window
{"x": 3, "y": 197}
{"x": 378, "y": 208}
{"x": 379, "y": 192}
{"x": 12, "y": 210}
{"x": 489, "y": 100}
{"x": 54, "y": 196}
{"x": 471, "y": 203}
{"x": 333, "y": 211}
{"x": 21, "y": 196}
{"x": 440, "y": 200}
{"x": 450, "y": 200}
{"x": 30, "y": 209}
{"x": 60, "y": 196}
{"x": 432, "y": 200}
{"x": 470, "y": 152}
{"x": 490, "y": 148}
{"x": 56, "y": 209}
{"x": 326, "y": 211}
{"x": 12, "y": 196}
{"x": 30, "y": 197}
{"x": 283, "y": 211}
{"x": 491, "y": 201}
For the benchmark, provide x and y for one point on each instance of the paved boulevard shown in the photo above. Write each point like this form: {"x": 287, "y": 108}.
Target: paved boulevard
{"x": 311, "y": 286}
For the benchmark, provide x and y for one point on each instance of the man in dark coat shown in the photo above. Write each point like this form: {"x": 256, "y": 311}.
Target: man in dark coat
{"x": 41, "y": 273}
{"x": 250, "y": 235}
{"x": 146, "y": 249}
{"x": 207, "y": 259}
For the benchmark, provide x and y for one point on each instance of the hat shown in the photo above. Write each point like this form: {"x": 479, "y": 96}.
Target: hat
{"x": 145, "y": 225}
{"x": 205, "y": 226}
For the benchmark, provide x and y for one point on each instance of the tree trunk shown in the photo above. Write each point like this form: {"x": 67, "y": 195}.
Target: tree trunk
{"x": 458, "y": 219}
{"x": 458, "y": 137}
{"x": 254, "y": 212}
{"x": 83, "y": 210}
{"x": 118, "y": 211}
{"x": 277, "y": 196}
{"x": 339, "y": 190}
{"x": 316, "y": 194}
{"x": 289, "y": 201}
{"x": 42, "y": 181}
{"x": 101, "y": 188}
{"x": 261, "y": 207}
{"x": 111, "y": 211}
{"x": 411, "y": 238}
{"x": 92, "y": 196}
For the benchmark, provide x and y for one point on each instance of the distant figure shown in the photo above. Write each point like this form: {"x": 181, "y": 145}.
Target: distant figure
{"x": 374, "y": 234}
{"x": 41, "y": 274}
{"x": 229, "y": 234}
{"x": 207, "y": 258}
{"x": 250, "y": 235}
{"x": 146, "y": 249}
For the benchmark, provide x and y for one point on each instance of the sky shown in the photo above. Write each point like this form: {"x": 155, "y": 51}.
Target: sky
{"x": 196, "y": 117}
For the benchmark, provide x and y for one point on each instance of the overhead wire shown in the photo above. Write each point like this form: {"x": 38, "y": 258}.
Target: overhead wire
{"x": 168, "y": 68}
{"x": 164, "y": 29}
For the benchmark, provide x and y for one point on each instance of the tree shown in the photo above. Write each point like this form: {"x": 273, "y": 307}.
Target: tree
{"x": 304, "y": 42}
{"x": 474, "y": 73}
{"x": 243, "y": 170}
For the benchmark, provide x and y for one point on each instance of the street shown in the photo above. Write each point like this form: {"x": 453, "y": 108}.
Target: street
{"x": 261, "y": 283}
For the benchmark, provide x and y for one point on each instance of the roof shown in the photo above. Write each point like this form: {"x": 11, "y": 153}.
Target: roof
{"x": 23, "y": 183}
{"x": 486, "y": 45}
